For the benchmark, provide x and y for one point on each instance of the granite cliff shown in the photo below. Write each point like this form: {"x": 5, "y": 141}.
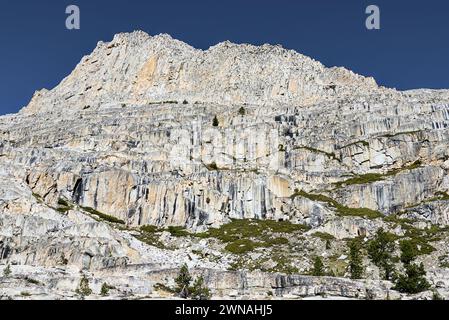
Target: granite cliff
{"x": 150, "y": 152}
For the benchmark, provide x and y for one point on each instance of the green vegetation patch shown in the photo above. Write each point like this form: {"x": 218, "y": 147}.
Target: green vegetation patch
{"x": 63, "y": 206}
{"x": 341, "y": 209}
{"x": 149, "y": 229}
{"x": 276, "y": 241}
{"x": 37, "y": 197}
{"x": 419, "y": 238}
{"x": 241, "y": 236}
{"x": 283, "y": 264}
{"x": 178, "y": 232}
{"x": 164, "y": 288}
{"x": 32, "y": 281}
{"x": 359, "y": 212}
{"x": 246, "y": 229}
{"x": 323, "y": 236}
{"x": 149, "y": 235}
{"x": 439, "y": 196}
{"x": 401, "y": 133}
{"x": 374, "y": 177}
{"x": 103, "y": 216}
{"x": 241, "y": 246}
{"x": 246, "y": 235}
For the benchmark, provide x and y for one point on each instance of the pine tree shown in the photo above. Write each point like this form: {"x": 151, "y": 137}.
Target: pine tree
{"x": 183, "y": 282}
{"x": 355, "y": 259}
{"x": 215, "y": 122}
{"x": 200, "y": 291}
{"x": 318, "y": 268}
{"x": 380, "y": 251}
{"x": 414, "y": 279}
{"x": 409, "y": 252}
{"x": 242, "y": 111}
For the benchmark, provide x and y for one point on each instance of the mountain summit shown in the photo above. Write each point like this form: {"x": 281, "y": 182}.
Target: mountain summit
{"x": 138, "y": 69}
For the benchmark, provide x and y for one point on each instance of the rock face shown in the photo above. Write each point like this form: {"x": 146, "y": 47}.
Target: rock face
{"x": 150, "y": 131}
{"x": 137, "y": 68}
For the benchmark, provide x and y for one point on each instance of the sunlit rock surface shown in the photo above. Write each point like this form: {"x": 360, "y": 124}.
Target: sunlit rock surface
{"x": 150, "y": 131}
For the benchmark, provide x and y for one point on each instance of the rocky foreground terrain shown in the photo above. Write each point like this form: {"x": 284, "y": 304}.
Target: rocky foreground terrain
{"x": 243, "y": 162}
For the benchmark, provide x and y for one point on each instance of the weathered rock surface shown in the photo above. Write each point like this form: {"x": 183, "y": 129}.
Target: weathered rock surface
{"x": 130, "y": 135}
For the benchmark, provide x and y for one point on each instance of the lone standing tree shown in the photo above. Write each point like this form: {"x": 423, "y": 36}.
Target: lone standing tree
{"x": 380, "y": 251}
{"x": 183, "y": 282}
{"x": 355, "y": 259}
{"x": 318, "y": 267}
{"x": 200, "y": 291}
{"x": 215, "y": 122}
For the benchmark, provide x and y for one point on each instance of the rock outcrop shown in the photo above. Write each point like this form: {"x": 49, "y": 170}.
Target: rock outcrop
{"x": 150, "y": 131}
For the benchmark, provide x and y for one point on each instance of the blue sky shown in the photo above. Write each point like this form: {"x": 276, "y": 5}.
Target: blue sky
{"x": 410, "y": 51}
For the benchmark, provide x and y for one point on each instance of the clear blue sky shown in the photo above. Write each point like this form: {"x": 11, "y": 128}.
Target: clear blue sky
{"x": 410, "y": 51}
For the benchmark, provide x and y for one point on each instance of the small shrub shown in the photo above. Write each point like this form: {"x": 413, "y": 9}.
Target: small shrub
{"x": 436, "y": 296}
{"x": 63, "y": 260}
{"x": 63, "y": 206}
{"x": 32, "y": 281}
{"x": 105, "y": 288}
{"x": 7, "y": 271}
{"x": 242, "y": 111}
{"x": 83, "y": 288}
{"x": 199, "y": 290}
{"x": 62, "y": 210}
{"x": 212, "y": 167}
{"x": 163, "y": 287}
{"x": 63, "y": 202}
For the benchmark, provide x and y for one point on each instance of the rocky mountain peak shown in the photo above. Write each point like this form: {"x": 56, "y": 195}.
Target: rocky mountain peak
{"x": 138, "y": 69}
